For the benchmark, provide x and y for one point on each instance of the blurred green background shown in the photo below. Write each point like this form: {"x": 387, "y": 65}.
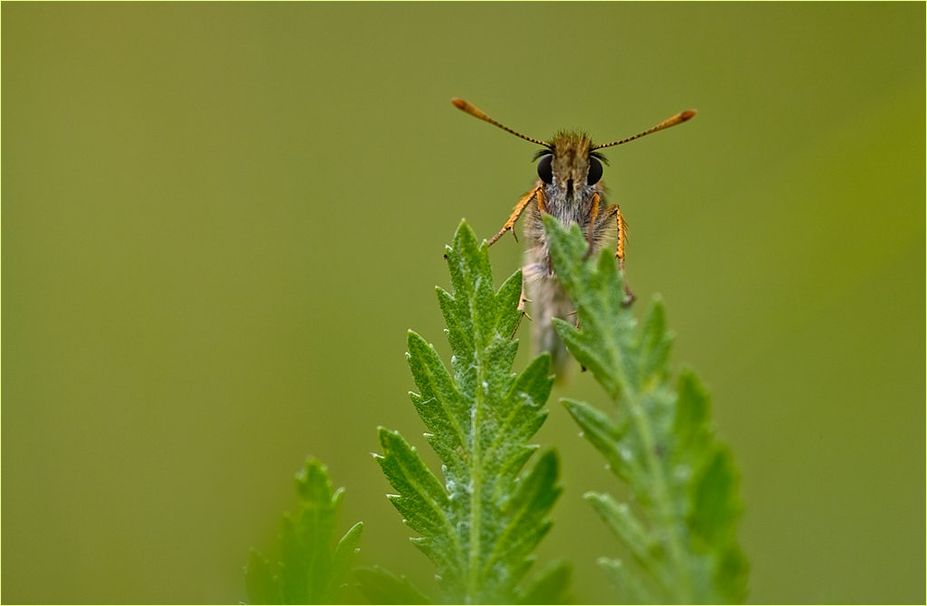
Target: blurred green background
{"x": 219, "y": 220}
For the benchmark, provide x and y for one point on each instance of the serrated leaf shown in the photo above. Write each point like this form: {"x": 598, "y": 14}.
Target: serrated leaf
{"x": 344, "y": 554}
{"x": 527, "y": 507}
{"x": 714, "y": 500}
{"x": 480, "y": 526}
{"x": 633, "y": 534}
{"x": 654, "y": 344}
{"x": 422, "y": 499}
{"x": 660, "y": 441}
{"x": 381, "y": 586}
{"x": 691, "y": 427}
{"x": 605, "y": 434}
{"x": 311, "y": 569}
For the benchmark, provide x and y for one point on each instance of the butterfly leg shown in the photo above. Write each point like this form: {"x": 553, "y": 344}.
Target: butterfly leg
{"x": 519, "y": 208}
{"x": 622, "y": 229}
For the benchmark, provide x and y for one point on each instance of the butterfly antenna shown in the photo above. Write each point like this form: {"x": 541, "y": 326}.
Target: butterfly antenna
{"x": 671, "y": 121}
{"x": 476, "y": 112}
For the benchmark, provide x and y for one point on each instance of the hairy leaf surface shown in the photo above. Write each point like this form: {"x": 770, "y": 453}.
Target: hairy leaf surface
{"x": 681, "y": 533}
{"x": 312, "y": 568}
{"x": 481, "y": 521}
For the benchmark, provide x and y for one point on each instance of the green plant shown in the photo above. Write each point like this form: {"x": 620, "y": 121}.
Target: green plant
{"x": 311, "y": 569}
{"x": 660, "y": 442}
{"x": 480, "y": 525}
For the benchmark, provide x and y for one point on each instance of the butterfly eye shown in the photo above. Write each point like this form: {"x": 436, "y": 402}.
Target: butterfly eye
{"x": 544, "y": 169}
{"x": 595, "y": 170}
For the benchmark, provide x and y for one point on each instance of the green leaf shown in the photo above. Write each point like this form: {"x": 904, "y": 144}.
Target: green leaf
{"x": 344, "y": 554}
{"x": 682, "y": 532}
{"x": 381, "y": 586}
{"x": 311, "y": 569}
{"x": 627, "y": 527}
{"x": 480, "y": 525}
